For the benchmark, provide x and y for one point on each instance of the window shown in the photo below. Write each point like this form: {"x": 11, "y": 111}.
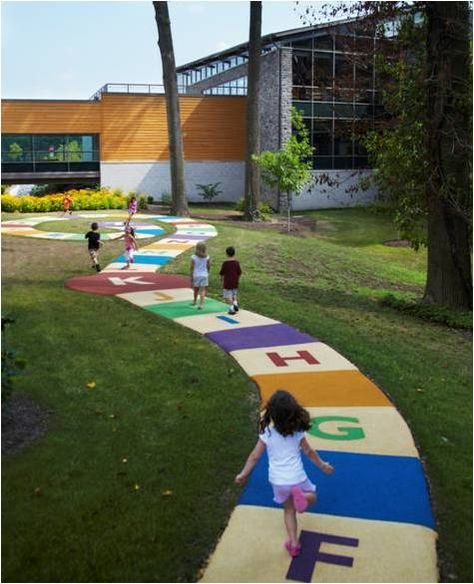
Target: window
{"x": 323, "y": 69}
{"x": 302, "y": 74}
{"x": 50, "y": 151}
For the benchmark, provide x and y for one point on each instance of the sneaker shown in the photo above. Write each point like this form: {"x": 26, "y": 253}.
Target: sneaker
{"x": 230, "y": 311}
{"x": 236, "y": 307}
{"x": 293, "y": 550}
{"x": 299, "y": 500}
{"x": 98, "y": 268}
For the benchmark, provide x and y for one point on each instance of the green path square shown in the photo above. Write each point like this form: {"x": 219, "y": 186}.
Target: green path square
{"x": 184, "y": 308}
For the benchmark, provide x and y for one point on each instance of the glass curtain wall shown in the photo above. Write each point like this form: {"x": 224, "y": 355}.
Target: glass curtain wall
{"x": 333, "y": 88}
{"x": 54, "y": 152}
{"x": 234, "y": 87}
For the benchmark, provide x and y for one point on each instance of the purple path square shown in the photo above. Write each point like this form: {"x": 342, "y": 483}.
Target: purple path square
{"x": 181, "y": 236}
{"x": 255, "y": 337}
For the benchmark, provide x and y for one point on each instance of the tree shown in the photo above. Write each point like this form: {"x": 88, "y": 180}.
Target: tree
{"x": 252, "y": 172}
{"x": 15, "y": 151}
{"x": 449, "y": 154}
{"x": 422, "y": 150}
{"x": 74, "y": 151}
{"x": 179, "y": 205}
{"x": 289, "y": 169}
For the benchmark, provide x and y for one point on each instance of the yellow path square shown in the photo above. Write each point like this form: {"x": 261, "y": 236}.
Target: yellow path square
{"x": 364, "y": 430}
{"x": 251, "y": 549}
{"x": 305, "y": 357}
{"x": 209, "y": 323}
{"x": 157, "y": 296}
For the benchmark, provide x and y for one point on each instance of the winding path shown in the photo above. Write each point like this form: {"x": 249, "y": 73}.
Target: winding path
{"x": 373, "y": 521}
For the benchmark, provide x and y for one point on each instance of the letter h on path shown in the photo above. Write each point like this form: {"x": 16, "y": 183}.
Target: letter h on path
{"x": 280, "y": 361}
{"x": 302, "y": 566}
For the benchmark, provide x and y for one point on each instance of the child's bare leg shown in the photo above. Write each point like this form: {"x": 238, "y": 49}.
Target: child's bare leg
{"x": 202, "y": 295}
{"x": 310, "y": 497}
{"x": 291, "y": 523}
{"x": 195, "y": 292}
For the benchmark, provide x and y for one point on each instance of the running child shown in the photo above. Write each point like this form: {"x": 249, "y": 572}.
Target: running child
{"x": 199, "y": 271}
{"x": 94, "y": 244}
{"x": 132, "y": 208}
{"x": 130, "y": 244}
{"x": 67, "y": 204}
{"x": 282, "y": 429}
{"x": 230, "y": 274}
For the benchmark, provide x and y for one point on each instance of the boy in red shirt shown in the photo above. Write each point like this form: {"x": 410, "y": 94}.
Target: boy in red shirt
{"x": 230, "y": 274}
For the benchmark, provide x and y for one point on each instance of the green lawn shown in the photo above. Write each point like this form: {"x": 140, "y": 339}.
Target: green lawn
{"x": 160, "y": 403}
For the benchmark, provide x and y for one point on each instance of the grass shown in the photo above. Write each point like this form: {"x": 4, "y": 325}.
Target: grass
{"x": 163, "y": 385}
{"x": 328, "y": 284}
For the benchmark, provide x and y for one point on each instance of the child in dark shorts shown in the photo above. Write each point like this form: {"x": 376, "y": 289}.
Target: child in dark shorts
{"x": 230, "y": 274}
{"x": 93, "y": 245}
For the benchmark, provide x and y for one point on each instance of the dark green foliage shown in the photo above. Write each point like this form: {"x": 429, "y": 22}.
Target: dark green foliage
{"x": 451, "y": 317}
{"x": 11, "y": 363}
{"x": 210, "y": 191}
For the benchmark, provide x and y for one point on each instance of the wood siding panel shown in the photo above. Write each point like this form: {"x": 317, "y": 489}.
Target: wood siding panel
{"x": 134, "y": 127}
{"x": 55, "y": 117}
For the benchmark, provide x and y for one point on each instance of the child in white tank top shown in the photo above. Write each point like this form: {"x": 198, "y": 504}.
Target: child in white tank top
{"x": 199, "y": 272}
{"x": 282, "y": 429}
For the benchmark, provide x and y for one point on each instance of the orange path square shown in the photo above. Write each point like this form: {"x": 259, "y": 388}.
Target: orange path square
{"x": 328, "y": 388}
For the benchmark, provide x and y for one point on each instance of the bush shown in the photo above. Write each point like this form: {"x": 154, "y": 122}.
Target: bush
{"x": 264, "y": 209}
{"x": 439, "y": 314}
{"x": 141, "y": 199}
{"x": 208, "y": 192}
{"x": 166, "y": 198}
{"x": 150, "y": 200}
{"x": 83, "y": 199}
{"x": 11, "y": 363}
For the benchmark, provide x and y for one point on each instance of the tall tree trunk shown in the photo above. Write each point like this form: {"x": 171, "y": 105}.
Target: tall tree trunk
{"x": 252, "y": 170}
{"x": 179, "y": 205}
{"x": 449, "y": 280}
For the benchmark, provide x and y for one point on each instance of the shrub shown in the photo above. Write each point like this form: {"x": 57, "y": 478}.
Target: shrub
{"x": 264, "y": 209}
{"x": 83, "y": 199}
{"x": 166, "y": 198}
{"x": 439, "y": 314}
{"x": 11, "y": 363}
{"x": 150, "y": 200}
{"x": 208, "y": 192}
{"x": 141, "y": 199}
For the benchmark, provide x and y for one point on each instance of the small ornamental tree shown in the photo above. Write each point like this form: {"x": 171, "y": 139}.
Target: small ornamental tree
{"x": 14, "y": 151}
{"x": 289, "y": 169}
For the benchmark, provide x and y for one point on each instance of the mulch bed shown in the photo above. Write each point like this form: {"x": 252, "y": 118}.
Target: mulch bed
{"x": 23, "y": 422}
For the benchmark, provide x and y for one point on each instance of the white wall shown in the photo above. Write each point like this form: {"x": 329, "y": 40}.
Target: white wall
{"x": 153, "y": 178}
{"x": 324, "y": 196}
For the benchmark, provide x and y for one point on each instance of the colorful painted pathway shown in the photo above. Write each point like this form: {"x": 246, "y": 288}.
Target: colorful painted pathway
{"x": 373, "y": 521}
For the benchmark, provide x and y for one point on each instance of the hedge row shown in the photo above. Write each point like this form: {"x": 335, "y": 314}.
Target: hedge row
{"x": 82, "y": 200}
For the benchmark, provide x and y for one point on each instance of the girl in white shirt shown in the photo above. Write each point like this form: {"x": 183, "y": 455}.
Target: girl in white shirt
{"x": 282, "y": 429}
{"x": 199, "y": 271}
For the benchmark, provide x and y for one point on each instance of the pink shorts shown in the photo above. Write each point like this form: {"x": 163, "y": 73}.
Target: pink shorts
{"x": 282, "y": 492}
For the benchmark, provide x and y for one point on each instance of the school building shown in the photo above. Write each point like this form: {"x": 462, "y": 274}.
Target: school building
{"x": 118, "y": 137}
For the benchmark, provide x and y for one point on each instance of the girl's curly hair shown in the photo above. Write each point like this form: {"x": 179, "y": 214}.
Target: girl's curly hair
{"x": 286, "y": 414}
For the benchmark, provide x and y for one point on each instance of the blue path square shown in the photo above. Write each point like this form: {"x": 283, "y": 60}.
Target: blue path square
{"x": 364, "y": 486}
{"x": 150, "y": 230}
{"x": 147, "y": 259}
